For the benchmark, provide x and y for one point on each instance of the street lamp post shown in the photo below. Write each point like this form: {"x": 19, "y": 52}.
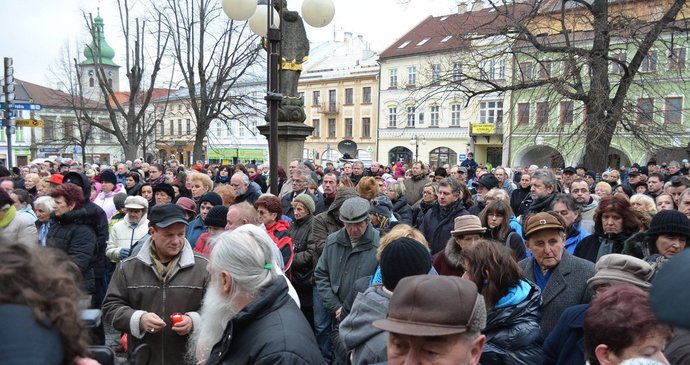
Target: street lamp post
{"x": 317, "y": 13}
{"x": 415, "y": 141}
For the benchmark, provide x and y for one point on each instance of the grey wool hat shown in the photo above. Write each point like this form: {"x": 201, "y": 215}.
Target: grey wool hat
{"x": 354, "y": 210}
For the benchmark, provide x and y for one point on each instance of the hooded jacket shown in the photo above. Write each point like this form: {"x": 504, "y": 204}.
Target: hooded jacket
{"x": 513, "y": 335}
{"x": 438, "y": 223}
{"x": 366, "y": 343}
{"x": 419, "y": 210}
{"x": 328, "y": 222}
{"x": 269, "y": 330}
{"x": 124, "y": 235}
{"x": 403, "y": 211}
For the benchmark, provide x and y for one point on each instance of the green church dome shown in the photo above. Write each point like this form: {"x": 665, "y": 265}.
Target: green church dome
{"x": 107, "y": 53}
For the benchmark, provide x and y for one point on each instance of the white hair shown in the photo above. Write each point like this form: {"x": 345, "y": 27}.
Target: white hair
{"x": 46, "y": 201}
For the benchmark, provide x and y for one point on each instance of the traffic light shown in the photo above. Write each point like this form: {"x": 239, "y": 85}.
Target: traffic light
{"x": 8, "y": 87}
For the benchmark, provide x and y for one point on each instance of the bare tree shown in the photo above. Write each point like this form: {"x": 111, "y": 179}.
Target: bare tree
{"x": 593, "y": 52}
{"x": 213, "y": 54}
{"x": 129, "y": 112}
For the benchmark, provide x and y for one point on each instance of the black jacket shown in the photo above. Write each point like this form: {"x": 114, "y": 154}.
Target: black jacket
{"x": 513, "y": 335}
{"x": 270, "y": 330}
{"x": 516, "y": 243}
{"x": 516, "y": 198}
{"x": 589, "y": 248}
{"x": 438, "y": 223}
{"x": 303, "y": 261}
{"x": 419, "y": 210}
{"x": 402, "y": 211}
{"x": 72, "y": 232}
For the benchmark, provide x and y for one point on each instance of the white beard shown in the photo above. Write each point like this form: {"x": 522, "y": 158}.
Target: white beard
{"x": 216, "y": 310}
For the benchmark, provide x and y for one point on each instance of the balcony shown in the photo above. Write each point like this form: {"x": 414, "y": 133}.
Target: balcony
{"x": 328, "y": 108}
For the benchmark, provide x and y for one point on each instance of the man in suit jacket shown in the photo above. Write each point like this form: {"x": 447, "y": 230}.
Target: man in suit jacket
{"x": 561, "y": 276}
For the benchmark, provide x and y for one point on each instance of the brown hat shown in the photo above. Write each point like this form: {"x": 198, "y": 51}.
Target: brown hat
{"x": 415, "y": 309}
{"x": 542, "y": 221}
{"x": 467, "y": 224}
{"x": 621, "y": 268}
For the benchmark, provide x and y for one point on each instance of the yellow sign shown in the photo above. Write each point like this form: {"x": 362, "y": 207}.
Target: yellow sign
{"x": 483, "y": 129}
{"x": 33, "y": 123}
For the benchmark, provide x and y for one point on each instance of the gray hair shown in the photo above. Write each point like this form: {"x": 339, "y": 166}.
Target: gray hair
{"x": 245, "y": 178}
{"x": 246, "y": 255}
{"x": 452, "y": 183}
{"x": 47, "y": 201}
{"x": 546, "y": 176}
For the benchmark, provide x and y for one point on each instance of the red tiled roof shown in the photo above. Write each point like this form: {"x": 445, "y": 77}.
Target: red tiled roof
{"x": 48, "y": 97}
{"x": 454, "y": 29}
{"x": 123, "y": 96}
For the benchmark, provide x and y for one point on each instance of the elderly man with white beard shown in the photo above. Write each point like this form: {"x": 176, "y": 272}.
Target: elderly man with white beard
{"x": 247, "y": 316}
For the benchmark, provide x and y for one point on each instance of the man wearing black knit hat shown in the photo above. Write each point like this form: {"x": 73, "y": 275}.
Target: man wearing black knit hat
{"x": 215, "y": 222}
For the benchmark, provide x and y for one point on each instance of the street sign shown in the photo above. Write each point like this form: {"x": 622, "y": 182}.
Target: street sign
{"x": 23, "y": 106}
{"x": 462, "y": 157}
{"x": 33, "y": 123}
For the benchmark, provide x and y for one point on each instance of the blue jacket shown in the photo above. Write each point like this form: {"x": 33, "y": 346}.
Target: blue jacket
{"x": 565, "y": 345}
{"x": 194, "y": 229}
{"x": 575, "y": 235}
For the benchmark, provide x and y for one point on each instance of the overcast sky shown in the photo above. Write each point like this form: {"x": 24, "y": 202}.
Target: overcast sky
{"x": 38, "y": 30}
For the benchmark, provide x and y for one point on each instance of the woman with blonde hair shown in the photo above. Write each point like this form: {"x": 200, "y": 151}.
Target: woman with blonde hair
{"x": 401, "y": 209}
{"x": 227, "y": 193}
{"x": 643, "y": 204}
{"x": 200, "y": 185}
{"x": 30, "y": 183}
{"x": 602, "y": 189}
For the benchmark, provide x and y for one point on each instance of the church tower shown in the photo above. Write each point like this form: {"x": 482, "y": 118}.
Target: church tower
{"x": 98, "y": 53}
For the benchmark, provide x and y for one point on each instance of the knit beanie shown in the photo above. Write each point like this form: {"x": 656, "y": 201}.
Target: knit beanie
{"x": 307, "y": 201}
{"x": 108, "y": 176}
{"x": 166, "y": 188}
{"x": 217, "y": 216}
{"x": 488, "y": 181}
{"x": 119, "y": 200}
{"x": 403, "y": 257}
{"x": 669, "y": 222}
{"x": 212, "y": 198}
{"x": 440, "y": 171}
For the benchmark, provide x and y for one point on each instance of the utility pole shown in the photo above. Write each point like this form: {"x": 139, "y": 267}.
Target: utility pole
{"x": 8, "y": 89}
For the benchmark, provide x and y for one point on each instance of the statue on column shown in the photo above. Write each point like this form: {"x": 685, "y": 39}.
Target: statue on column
{"x": 294, "y": 49}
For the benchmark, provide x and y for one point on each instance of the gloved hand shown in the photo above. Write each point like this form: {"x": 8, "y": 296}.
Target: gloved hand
{"x": 124, "y": 253}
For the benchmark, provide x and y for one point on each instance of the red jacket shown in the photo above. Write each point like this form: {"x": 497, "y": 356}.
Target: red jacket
{"x": 278, "y": 232}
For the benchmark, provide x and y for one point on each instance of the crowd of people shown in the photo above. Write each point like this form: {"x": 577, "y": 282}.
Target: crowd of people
{"x": 348, "y": 264}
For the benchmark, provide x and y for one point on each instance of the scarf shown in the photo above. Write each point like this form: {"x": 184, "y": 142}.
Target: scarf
{"x": 224, "y": 179}
{"x": 611, "y": 243}
{"x": 164, "y": 270}
{"x": 9, "y": 216}
{"x": 541, "y": 204}
{"x": 43, "y": 233}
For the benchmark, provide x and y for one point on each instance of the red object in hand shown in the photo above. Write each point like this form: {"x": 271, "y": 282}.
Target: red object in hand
{"x": 176, "y": 318}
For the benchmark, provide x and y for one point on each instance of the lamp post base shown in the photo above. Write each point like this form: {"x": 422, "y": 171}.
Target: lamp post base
{"x": 291, "y": 137}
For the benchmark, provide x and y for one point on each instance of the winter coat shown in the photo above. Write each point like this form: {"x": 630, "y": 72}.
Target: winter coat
{"x": 574, "y": 236}
{"x": 269, "y": 330}
{"x": 402, "y": 211}
{"x": 71, "y": 233}
{"x": 419, "y": 210}
{"x": 328, "y": 222}
{"x": 134, "y": 190}
{"x": 135, "y": 289}
{"x": 590, "y": 248}
{"x": 278, "y": 232}
{"x": 566, "y": 345}
{"x": 366, "y": 343}
{"x": 516, "y": 198}
{"x": 260, "y": 180}
{"x": 513, "y": 335}
{"x": 286, "y": 203}
{"x": 512, "y": 240}
{"x": 302, "y": 263}
{"x": 194, "y": 230}
{"x": 251, "y": 195}
{"x": 566, "y": 286}
{"x": 106, "y": 202}
{"x": 438, "y": 223}
{"x": 21, "y": 229}
{"x": 341, "y": 264}
{"x": 414, "y": 187}
{"x": 26, "y": 340}
{"x": 124, "y": 235}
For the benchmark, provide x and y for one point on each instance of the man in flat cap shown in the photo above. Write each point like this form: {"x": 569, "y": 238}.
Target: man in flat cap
{"x": 424, "y": 329}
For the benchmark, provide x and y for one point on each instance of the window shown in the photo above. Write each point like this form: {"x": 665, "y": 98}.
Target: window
{"x": 493, "y": 69}
{"x": 189, "y": 126}
{"x": 219, "y": 129}
{"x": 179, "y": 126}
{"x": 348, "y": 128}
{"x": 393, "y": 78}
{"x": 523, "y": 114}
{"x": 435, "y": 73}
{"x": 676, "y": 59}
{"x": 446, "y": 38}
{"x": 527, "y": 71}
{"x": 410, "y": 116}
{"x": 349, "y": 99}
{"x": 91, "y": 82}
{"x": 317, "y": 128}
{"x": 423, "y": 41}
{"x": 332, "y": 100}
{"x": 172, "y": 127}
{"x": 617, "y": 67}
{"x": 566, "y": 112}
{"x": 542, "y": 113}
{"x": 455, "y": 115}
{"x": 331, "y": 128}
{"x": 162, "y": 127}
{"x": 3, "y": 134}
{"x": 366, "y": 127}
{"x": 19, "y": 134}
{"x": 411, "y": 76}
{"x": 48, "y": 130}
{"x": 645, "y": 110}
{"x": 433, "y": 115}
{"x": 673, "y": 110}
{"x": 366, "y": 95}
{"x": 457, "y": 70}
{"x": 241, "y": 128}
{"x": 106, "y": 137}
{"x": 404, "y": 44}
{"x": 491, "y": 112}
{"x": 649, "y": 62}
{"x": 544, "y": 70}
{"x": 392, "y": 117}
{"x": 316, "y": 97}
